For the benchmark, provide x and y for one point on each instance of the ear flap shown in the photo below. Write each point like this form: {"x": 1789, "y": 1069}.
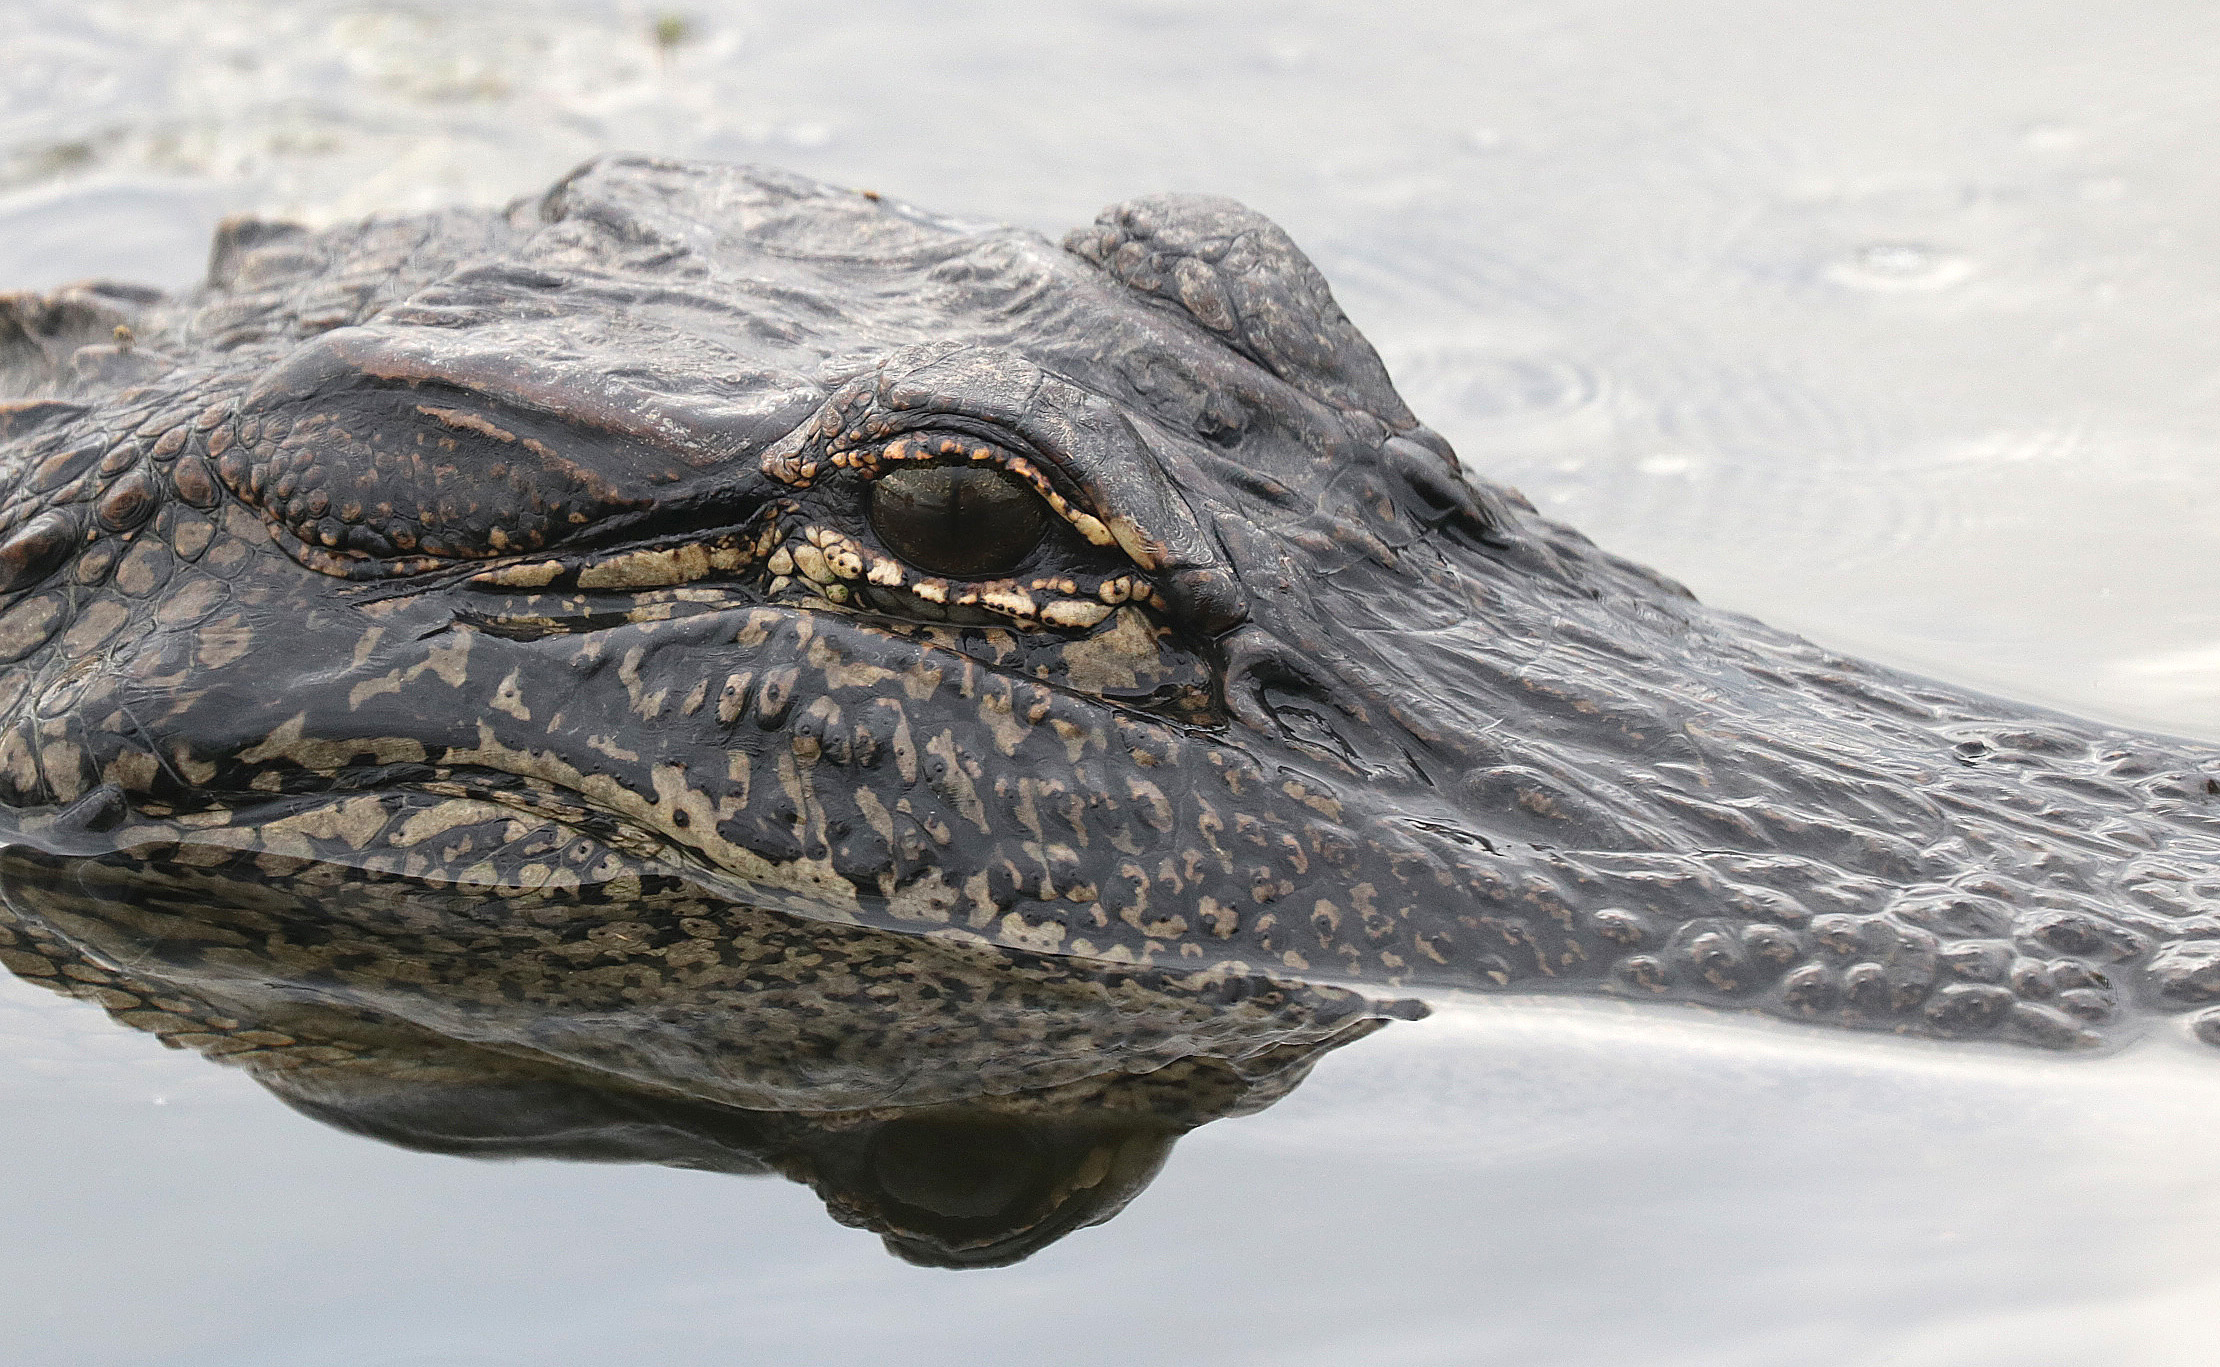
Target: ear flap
{"x": 1235, "y": 272}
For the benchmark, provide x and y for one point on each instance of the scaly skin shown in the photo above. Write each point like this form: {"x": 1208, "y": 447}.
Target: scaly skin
{"x": 465, "y": 634}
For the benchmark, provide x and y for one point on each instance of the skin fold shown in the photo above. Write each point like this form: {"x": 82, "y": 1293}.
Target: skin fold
{"x": 710, "y": 667}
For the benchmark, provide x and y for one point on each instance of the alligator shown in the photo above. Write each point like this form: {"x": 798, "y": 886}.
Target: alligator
{"x": 710, "y": 667}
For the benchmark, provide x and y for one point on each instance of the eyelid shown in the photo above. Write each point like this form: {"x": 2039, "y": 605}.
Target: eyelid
{"x": 945, "y": 447}
{"x": 1098, "y": 455}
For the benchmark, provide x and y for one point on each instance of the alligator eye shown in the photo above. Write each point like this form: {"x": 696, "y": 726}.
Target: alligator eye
{"x": 960, "y": 521}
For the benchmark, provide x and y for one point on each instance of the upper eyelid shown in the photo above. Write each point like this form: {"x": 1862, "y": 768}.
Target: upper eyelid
{"x": 868, "y": 457}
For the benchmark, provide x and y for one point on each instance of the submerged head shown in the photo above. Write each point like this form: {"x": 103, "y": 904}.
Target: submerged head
{"x": 512, "y": 623}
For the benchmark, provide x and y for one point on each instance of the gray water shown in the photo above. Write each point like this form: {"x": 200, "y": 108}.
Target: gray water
{"x": 1894, "y": 323}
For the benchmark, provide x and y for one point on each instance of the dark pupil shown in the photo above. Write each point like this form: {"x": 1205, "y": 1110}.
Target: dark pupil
{"x": 961, "y": 521}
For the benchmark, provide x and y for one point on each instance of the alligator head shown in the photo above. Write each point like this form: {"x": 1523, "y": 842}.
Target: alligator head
{"x": 771, "y": 648}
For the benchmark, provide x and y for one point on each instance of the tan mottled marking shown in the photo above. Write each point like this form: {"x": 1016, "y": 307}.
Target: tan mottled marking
{"x": 467, "y": 422}
{"x": 507, "y": 697}
{"x": 1114, "y": 660}
{"x": 100, "y": 620}
{"x": 1072, "y": 613}
{"x": 26, "y": 626}
{"x": 536, "y": 574}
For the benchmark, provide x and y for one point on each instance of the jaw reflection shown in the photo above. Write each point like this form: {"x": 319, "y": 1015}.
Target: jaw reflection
{"x": 953, "y": 1186}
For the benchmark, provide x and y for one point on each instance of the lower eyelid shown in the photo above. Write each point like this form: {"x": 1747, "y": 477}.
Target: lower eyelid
{"x": 1062, "y": 601}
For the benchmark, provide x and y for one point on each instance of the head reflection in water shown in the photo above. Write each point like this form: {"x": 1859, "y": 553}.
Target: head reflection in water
{"x": 955, "y": 1186}
{"x": 970, "y": 1108}
{"x": 709, "y": 667}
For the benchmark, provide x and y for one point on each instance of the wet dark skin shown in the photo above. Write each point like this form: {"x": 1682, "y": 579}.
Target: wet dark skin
{"x": 710, "y": 667}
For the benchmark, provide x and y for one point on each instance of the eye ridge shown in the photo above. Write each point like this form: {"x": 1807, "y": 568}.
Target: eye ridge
{"x": 958, "y": 521}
